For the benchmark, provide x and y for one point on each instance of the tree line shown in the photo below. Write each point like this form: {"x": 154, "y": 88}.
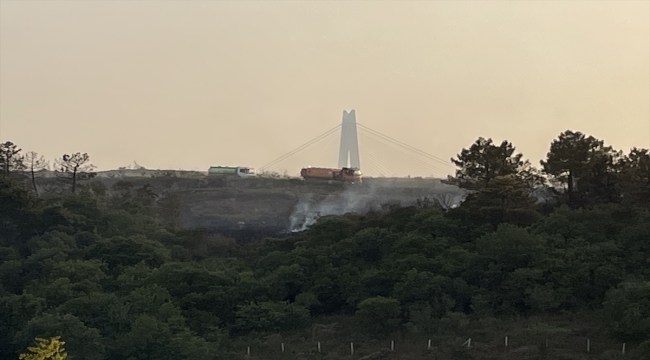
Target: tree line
{"x": 72, "y": 166}
{"x": 590, "y": 172}
{"x": 111, "y": 275}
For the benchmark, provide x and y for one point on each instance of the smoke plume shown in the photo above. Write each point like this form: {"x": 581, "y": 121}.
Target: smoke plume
{"x": 374, "y": 196}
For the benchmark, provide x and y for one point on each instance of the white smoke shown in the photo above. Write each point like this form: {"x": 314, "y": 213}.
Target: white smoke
{"x": 361, "y": 199}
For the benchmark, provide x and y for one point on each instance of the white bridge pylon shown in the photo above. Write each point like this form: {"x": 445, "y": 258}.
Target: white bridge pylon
{"x": 349, "y": 147}
{"x": 384, "y": 156}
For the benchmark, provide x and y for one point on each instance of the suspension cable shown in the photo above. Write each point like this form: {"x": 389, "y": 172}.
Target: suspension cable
{"x": 300, "y": 148}
{"x": 396, "y": 148}
{"x": 433, "y": 157}
{"x": 311, "y": 154}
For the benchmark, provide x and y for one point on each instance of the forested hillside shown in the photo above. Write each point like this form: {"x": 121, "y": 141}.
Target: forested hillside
{"x": 115, "y": 280}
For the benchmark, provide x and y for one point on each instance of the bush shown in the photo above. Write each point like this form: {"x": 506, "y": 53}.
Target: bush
{"x": 270, "y": 316}
{"x": 379, "y": 315}
{"x": 627, "y": 311}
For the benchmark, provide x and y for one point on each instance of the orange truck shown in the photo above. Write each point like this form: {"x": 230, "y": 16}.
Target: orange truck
{"x": 352, "y": 175}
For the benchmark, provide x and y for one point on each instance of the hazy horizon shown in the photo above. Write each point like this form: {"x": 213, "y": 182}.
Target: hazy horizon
{"x": 194, "y": 84}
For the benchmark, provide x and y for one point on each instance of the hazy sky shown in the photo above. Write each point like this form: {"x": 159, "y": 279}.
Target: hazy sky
{"x": 189, "y": 84}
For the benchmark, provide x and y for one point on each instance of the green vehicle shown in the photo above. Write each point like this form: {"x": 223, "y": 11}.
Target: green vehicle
{"x": 238, "y": 171}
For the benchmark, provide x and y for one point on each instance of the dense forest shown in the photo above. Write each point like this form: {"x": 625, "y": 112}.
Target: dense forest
{"x": 104, "y": 270}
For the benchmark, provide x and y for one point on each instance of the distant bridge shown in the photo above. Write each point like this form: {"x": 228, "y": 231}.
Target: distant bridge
{"x": 383, "y": 156}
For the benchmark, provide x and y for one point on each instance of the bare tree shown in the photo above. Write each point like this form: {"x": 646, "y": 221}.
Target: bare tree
{"x": 35, "y": 162}
{"x": 10, "y": 158}
{"x": 75, "y": 165}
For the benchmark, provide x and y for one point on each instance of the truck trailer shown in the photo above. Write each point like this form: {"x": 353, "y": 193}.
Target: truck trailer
{"x": 238, "y": 171}
{"x": 352, "y": 175}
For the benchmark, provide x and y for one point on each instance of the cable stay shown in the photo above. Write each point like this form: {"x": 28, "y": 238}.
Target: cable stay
{"x": 392, "y": 150}
{"x": 317, "y": 154}
{"x": 320, "y": 155}
{"x": 310, "y": 154}
{"x": 389, "y": 155}
{"x": 433, "y": 157}
{"x": 302, "y": 147}
{"x": 377, "y": 165}
{"x": 396, "y": 148}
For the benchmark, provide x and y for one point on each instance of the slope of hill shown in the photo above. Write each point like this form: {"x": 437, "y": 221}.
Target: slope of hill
{"x": 247, "y": 208}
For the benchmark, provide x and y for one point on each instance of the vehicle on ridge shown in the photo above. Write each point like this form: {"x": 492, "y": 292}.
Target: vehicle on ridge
{"x": 224, "y": 171}
{"x": 351, "y": 175}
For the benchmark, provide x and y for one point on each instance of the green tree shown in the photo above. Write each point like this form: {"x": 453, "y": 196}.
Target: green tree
{"x": 34, "y": 163}
{"x": 120, "y": 252}
{"x": 484, "y": 161}
{"x": 368, "y": 283}
{"x": 272, "y": 316}
{"x": 379, "y": 315}
{"x": 634, "y": 240}
{"x": 74, "y": 166}
{"x": 133, "y": 200}
{"x": 504, "y": 200}
{"x": 584, "y": 164}
{"x": 508, "y": 262}
{"x": 286, "y": 282}
{"x": 15, "y": 312}
{"x": 169, "y": 208}
{"x": 510, "y": 248}
{"x": 10, "y": 158}
{"x": 424, "y": 297}
{"x": 68, "y": 280}
{"x": 103, "y": 311}
{"x": 82, "y": 341}
{"x": 626, "y": 311}
{"x": 18, "y": 216}
{"x": 634, "y": 182}
{"x": 149, "y": 338}
{"x": 153, "y": 339}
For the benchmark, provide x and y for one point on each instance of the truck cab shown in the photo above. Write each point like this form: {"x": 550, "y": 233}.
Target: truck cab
{"x": 352, "y": 174}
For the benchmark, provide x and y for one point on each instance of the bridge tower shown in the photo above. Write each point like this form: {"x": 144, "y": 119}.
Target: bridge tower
{"x": 349, "y": 148}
